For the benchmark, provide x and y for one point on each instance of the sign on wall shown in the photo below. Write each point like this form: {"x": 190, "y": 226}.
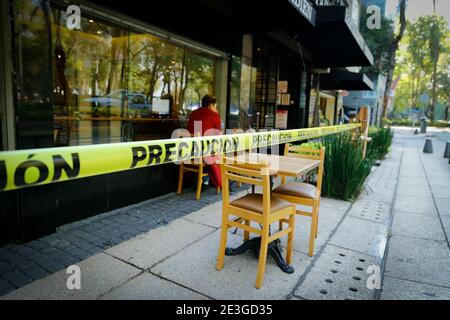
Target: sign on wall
{"x": 282, "y": 119}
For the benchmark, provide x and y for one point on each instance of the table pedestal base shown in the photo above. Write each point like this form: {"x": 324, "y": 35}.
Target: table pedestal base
{"x": 255, "y": 245}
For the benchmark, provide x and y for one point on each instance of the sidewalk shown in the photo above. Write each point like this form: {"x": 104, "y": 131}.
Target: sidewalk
{"x": 418, "y": 262}
{"x": 401, "y": 224}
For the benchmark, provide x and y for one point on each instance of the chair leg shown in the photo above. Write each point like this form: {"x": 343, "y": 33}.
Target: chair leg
{"x": 262, "y": 258}
{"x": 312, "y": 235}
{"x": 290, "y": 243}
{"x": 246, "y": 233}
{"x": 223, "y": 243}
{"x": 180, "y": 180}
{"x": 280, "y": 225}
{"x": 317, "y": 225}
{"x": 199, "y": 184}
{"x": 318, "y": 217}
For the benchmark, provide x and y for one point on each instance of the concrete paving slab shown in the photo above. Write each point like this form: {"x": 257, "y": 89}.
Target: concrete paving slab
{"x": 443, "y": 206}
{"x": 446, "y": 222}
{"x": 338, "y": 274}
{"x": 385, "y": 196}
{"x": 210, "y": 216}
{"x": 414, "y": 191}
{"x": 439, "y": 181}
{"x": 378, "y": 212}
{"x": 328, "y": 221}
{"x": 441, "y": 192}
{"x": 415, "y": 205}
{"x": 195, "y": 268}
{"x": 99, "y": 274}
{"x": 412, "y": 181}
{"x": 335, "y": 204}
{"x": 415, "y": 172}
{"x": 382, "y": 185}
{"x": 361, "y": 235}
{"x": 417, "y": 226}
{"x": 397, "y": 289}
{"x": 419, "y": 260}
{"x": 159, "y": 244}
{"x": 150, "y": 287}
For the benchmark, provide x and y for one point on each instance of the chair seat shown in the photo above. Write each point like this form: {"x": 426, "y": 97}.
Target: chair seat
{"x": 254, "y": 202}
{"x": 297, "y": 189}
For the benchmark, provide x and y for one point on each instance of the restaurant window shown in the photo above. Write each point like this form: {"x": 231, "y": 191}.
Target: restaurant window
{"x": 235, "y": 93}
{"x": 105, "y": 83}
{"x": 200, "y": 72}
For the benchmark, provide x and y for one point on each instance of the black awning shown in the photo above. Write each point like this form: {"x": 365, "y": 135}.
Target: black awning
{"x": 345, "y": 80}
{"x": 219, "y": 23}
{"x": 336, "y": 41}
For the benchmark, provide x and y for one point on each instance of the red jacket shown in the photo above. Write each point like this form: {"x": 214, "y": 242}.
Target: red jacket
{"x": 208, "y": 118}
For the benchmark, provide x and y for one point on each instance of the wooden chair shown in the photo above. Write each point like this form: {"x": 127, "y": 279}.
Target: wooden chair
{"x": 199, "y": 170}
{"x": 304, "y": 193}
{"x": 262, "y": 209}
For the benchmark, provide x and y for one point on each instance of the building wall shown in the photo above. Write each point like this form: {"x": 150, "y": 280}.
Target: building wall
{"x": 373, "y": 99}
{"x": 42, "y": 96}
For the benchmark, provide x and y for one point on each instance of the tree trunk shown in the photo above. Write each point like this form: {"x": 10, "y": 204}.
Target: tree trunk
{"x": 433, "y": 98}
{"x": 392, "y": 56}
{"x": 112, "y": 70}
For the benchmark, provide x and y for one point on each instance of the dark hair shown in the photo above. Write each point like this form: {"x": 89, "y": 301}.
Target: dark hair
{"x": 208, "y": 100}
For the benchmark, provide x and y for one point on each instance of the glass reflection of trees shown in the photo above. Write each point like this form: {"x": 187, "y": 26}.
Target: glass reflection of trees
{"x": 105, "y": 73}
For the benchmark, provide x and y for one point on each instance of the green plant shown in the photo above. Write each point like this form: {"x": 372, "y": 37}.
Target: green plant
{"x": 408, "y": 123}
{"x": 382, "y": 138}
{"x": 345, "y": 169}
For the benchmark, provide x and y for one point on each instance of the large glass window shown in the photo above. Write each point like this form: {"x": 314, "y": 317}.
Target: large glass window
{"x": 105, "y": 83}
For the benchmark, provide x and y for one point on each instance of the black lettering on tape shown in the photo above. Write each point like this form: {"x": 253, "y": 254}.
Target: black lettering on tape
{"x": 19, "y": 174}
{"x": 169, "y": 152}
{"x": 215, "y": 143}
{"x": 206, "y": 149}
{"x": 227, "y": 146}
{"x": 61, "y": 165}
{"x": 182, "y": 146}
{"x": 236, "y": 144}
{"x": 139, "y": 154}
{"x": 195, "y": 150}
{"x": 155, "y": 153}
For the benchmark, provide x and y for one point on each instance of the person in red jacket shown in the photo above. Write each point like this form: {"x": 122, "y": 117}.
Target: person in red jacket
{"x": 206, "y": 121}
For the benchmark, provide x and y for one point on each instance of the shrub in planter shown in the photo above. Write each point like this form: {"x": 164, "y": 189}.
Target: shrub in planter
{"x": 345, "y": 169}
{"x": 381, "y": 142}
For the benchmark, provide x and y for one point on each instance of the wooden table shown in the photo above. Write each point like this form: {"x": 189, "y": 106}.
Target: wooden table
{"x": 278, "y": 166}
{"x": 282, "y": 165}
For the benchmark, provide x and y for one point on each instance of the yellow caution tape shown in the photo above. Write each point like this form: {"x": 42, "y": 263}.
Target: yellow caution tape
{"x": 27, "y": 168}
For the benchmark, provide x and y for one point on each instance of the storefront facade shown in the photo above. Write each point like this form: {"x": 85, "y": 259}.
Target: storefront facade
{"x": 125, "y": 73}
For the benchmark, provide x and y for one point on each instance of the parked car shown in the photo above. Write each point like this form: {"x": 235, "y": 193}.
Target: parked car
{"x": 134, "y": 103}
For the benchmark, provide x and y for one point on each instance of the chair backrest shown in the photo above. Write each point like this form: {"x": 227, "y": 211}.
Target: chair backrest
{"x": 252, "y": 173}
{"x": 308, "y": 153}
